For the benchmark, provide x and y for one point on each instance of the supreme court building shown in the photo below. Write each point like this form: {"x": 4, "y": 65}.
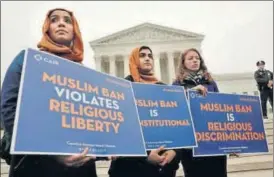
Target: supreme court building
{"x": 111, "y": 55}
{"x": 112, "y": 52}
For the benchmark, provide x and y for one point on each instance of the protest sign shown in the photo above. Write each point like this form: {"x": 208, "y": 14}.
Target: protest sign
{"x": 164, "y": 116}
{"x": 227, "y": 123}
{"x": 64, "y": 107}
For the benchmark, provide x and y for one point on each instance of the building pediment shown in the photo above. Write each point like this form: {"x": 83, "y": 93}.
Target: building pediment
{"x": 146, "y": 32}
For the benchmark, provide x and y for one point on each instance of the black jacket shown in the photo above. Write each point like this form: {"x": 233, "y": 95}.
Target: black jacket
{"x": 262, "y": 77}
{"x": 139, "y": 166}
{"x": 30, "y": 165}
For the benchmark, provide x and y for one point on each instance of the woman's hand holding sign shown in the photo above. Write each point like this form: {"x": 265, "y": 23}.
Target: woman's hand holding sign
{"x": 76, "y": 160}
{"x": 202, "y": 89}
{"x": 169, "y": 156}
{"x": 113, "y": 158}
{"x": 154, "y": 156}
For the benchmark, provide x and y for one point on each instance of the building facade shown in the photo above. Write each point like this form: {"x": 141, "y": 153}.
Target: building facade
{"x": 111, "y": 54}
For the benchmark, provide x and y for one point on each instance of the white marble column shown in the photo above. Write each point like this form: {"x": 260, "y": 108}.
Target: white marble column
{"x": 126, "y": 65}
{"x": 98, "y": 63}
{"x": 157, "y": 66}
{"x": 171, "y": 68}
{"x": 112, "y": 65}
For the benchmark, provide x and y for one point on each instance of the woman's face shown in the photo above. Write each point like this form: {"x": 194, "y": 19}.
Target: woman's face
{"x": 61, "y": 28}
{"x": 146, "y": 60}
{"x": 192, "y": 61}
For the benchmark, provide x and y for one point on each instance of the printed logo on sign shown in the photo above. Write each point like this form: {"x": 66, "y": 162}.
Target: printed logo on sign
{"x": 194, "y": 95}
{"x": 39, "y": 58}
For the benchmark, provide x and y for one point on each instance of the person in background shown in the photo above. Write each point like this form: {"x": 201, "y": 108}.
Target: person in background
{"x": 264, "y": 79}
{"x": 193, "y": 74}
{"x": 160, "y": 162}
{"x": 62, "y": 37}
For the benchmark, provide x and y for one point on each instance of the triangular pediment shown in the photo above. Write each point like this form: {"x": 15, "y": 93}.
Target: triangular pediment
{"x": 146, "y": 32}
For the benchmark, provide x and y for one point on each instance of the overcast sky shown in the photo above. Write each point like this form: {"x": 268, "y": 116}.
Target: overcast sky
{"x": 237, "y": 33}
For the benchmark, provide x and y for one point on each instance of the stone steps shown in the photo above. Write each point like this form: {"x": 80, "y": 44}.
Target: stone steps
{"x": 246, "y": 165}
{"x": 235, "y": 164}
{"x": 4, "y": 168}
{"x": 261, "y": 173}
